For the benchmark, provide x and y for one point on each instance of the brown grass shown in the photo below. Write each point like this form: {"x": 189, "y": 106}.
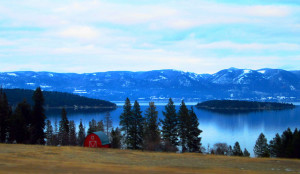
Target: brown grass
{"x": 45, "y": 159}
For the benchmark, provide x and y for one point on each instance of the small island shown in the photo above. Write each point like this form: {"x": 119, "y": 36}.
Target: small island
{"x": 238, "y": 106}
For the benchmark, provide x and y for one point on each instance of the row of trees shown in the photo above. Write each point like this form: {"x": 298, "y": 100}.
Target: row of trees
{"x": 284, "y": 146}
{"x": 178, "y": 128}
{"x": 65, "y": 133}
{"x": 24, "y": 125}
{"x": 224, "y": 149}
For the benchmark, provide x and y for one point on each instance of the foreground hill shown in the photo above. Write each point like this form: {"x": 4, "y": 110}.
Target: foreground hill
{"x": 263, "y": 84}
{"x": 55, "y": 99}
{"x": 45, "y": 159}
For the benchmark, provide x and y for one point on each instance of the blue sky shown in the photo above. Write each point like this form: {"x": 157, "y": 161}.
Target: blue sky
{"x": 194, "y": 35}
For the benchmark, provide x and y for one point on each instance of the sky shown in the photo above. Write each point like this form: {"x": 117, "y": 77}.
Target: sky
{"x": 200, "y": 36}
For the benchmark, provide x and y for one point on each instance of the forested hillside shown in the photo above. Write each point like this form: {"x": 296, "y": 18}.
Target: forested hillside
{"x": 55, "y": 99}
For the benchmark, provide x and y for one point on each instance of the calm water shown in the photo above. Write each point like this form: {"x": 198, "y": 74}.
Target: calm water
{"x": 216, "y": 127}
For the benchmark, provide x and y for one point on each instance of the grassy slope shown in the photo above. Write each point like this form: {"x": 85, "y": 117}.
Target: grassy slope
{"x": 44, "y": 159}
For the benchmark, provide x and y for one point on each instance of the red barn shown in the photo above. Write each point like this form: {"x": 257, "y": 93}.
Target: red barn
{"x": 97, "y": 140}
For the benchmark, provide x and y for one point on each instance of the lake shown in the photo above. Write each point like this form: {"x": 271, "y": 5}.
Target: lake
{"x": 242, "y": 127}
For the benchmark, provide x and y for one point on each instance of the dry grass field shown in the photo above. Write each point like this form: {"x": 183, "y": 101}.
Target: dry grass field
{"x": 45, "y": 159}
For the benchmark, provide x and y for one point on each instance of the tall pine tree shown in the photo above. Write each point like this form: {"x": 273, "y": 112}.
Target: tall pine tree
{"x": 81, "y": 134}
{"x": 49, "y": 133}
{"x": 38, "y": 118}
{"x": 125, "y": 119}
{"x": 237, "y": 150}
{"x": 170, "y": 125}
{"x": 19, "y": 127}
{"x": 136, "y": 131}
{"x": 183, "y": 126}
{"x": 152, "y": 133}
{"x": 64, "y": 129}
{"x": 261, "y": 148}
{"x": 193, "y": 140}
{"x": 72, "y": 133}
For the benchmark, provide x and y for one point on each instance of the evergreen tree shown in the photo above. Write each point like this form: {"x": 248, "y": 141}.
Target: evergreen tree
{"x": 100, "y": 126}
{"x": 19, "y": 130}
{"x": 183, "y": 125}
{"x": 72, "y": 133}
{"x": 116, "y": 138}
{"x": 136, "y": 131}
{"x": 55, "y": 140}
{"x": 95, "y": 127}
{"x": 125, "y": 119}
{"x": 193, "y": 139}
{"x": 38, "y": 118}
{"x": 296, "y": 143}
{"x": 246, "y": 153}
{"x": 107, "y": 123}
{"x": 64, "y": 128}
{"x": 5, "y": 113}
{"x": 81, "y": 134}
{"x": 49, "y": 133}
{"x": 261, "y": 148}
{"x": 170, "y": 124}
{"x": 287, "y": 143}
{"x": 275, "y": 146}
{"x": 230, "y": 151}
{"x": 237, "y": 150}
{"x": 152, "y": 133}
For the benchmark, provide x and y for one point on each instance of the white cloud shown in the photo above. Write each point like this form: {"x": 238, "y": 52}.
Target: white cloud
{"x": 249, "y": 46}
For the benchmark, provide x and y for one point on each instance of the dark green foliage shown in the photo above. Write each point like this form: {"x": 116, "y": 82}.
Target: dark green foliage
{"x": 38, "y": 118}
{"x": 125, "y": 119}
{"x": 81, "y": 134}
{"x": 220, "y": 149}
{"x": 275, "y": 146}
{"x": 170, "y": 125}
{"x": 246, "y": 153}
{"x": 5, "y": 113}
{"x": 116, "y": 138}
{"x": 287, "y": 145}
{"x": 188, "y": 129}
{"x": 107, "y": 123}
{"x": 55, "y": 140}
{"x": 230, "y": 151}
{"x": 237, "y": 150}
{"x": 236, "y": 106}
{"x": 136, "y": 128}
{"x": 72, "y": 134}
{"x": 64, "y": 129}
{"x": 152, "y": 133}
{"x": 55, "y": 99}
{"x": 20, "y": 123}
{"x": 193, "y": 141}
{"x": 183, "y": 124}
{"x": 261, "y": 148}
{"x": 95, "y": 127}
{"x": 49, "y": 133}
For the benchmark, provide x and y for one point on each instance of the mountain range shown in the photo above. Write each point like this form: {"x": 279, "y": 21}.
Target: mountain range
{"x": 246, "y": 84}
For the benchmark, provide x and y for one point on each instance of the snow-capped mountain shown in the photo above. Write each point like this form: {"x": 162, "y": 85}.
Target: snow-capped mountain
{"x": 263, "y": 84}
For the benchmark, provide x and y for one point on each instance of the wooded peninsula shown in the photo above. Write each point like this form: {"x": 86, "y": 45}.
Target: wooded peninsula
{"x": 238, "y": 105}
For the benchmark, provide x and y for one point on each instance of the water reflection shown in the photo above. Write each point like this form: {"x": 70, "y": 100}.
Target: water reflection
{"x": 217, "y": 127}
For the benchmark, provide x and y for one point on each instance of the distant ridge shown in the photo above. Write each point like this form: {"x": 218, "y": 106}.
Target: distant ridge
{"x": 158, "y": 85}
{"x": 56, "y": 99}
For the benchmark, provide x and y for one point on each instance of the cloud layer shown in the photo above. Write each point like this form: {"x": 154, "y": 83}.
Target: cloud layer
{"x": 194, "y": 35}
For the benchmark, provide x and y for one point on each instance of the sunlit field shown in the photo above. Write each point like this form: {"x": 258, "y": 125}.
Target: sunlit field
{"x": 45, "y": 159}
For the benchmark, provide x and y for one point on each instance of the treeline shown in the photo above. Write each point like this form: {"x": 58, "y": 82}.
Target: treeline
{"x": 285, "y": 146}
{"x": 224, "y": 149}
{"x": 55, "y": 99}
{"x": 237, "y": 104}
{"x": 64, "y": 133}
{"x": 26, "y": 123}
{"x": 177, "y": 128}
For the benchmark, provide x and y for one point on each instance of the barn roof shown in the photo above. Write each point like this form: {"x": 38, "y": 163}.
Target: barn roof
{"x": 103, "y": 137}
